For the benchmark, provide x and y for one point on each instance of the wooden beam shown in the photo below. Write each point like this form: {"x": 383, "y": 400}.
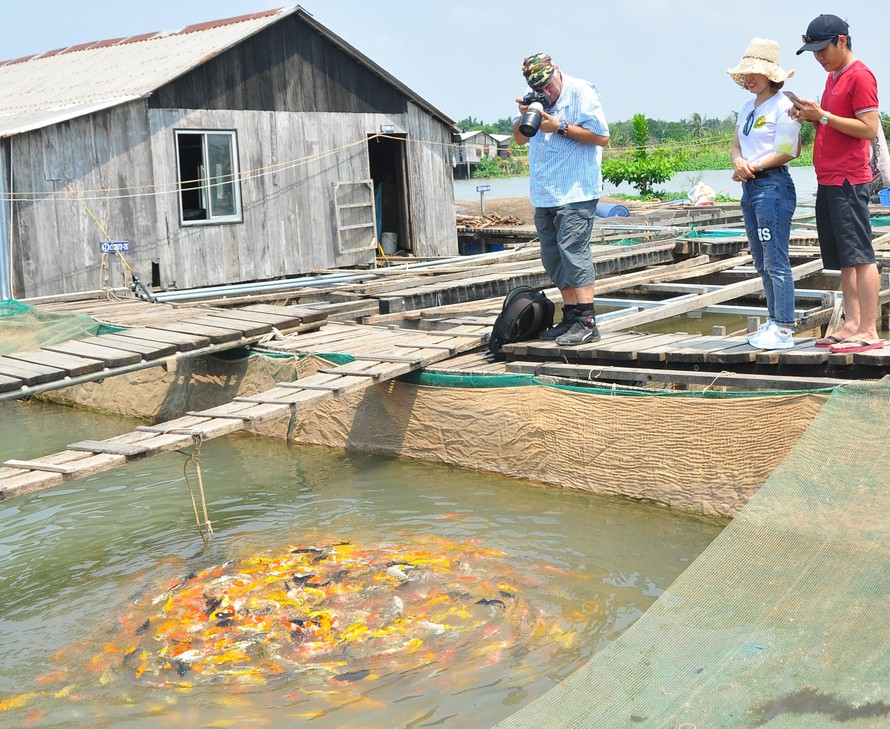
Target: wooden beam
{"x": 591, "y": 374}
{"x": 726, "y": 293}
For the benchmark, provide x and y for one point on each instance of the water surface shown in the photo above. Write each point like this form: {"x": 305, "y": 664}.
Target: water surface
{"x": 561, "y": 573}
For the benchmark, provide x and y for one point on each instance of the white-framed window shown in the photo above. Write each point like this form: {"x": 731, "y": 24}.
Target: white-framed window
{"x": 207, "y": 163}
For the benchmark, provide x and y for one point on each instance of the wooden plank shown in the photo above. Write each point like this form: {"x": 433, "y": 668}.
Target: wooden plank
{"x": 725, "y": 293}
{"x": 70, "y": 365}
{"x": 237, "y": 411}
{"x": 18, "y": 482}
{"x": 246, "y": 328}
{"x": 417, "y": 345}
{"x": 386, "y": 358}
{"x": 304, "y": 313}
{"x": 29, "y": 374}
{"x": 616, "y": 347}
{"x": 290, "y": 397}
{"x": 336, "y": 385}
{"x": 156, "y": 350}
{"x": 120, "y": 449}
{"x": 74, "y": 468}
{"x": 110, "y": 356}
{"x": 803, "y": 356}
{"x": 357, "y": 369}
{"x": 279, "y": 320}
{"x": 736, "y": 351}
{"x": 696, "y": 350}
{"x": 9, "y": 384}
{"x": 319, "y": 342}
{"x": 216, "y": 335}
{"x": 635, "y": 376}
{"x": 201, "y": 427}
{"x": 658, "y": 352}
{"x": 235, "y": 317}
{"x": 183, "y": 342}
{"x": 150, "y": 444}
{"x": 643, "y": 343}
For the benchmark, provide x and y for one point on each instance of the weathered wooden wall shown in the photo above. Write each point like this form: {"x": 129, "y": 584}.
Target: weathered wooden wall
{"x": 105, "y": 157}
{"x": 290, "y": 162}
{"x": 289, "y": 66}
{"x": 430, "y": 186}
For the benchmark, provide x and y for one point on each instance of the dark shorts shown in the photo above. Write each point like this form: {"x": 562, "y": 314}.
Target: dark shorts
{"x": 844, "y": 225}
{"x": 564, "y": 233}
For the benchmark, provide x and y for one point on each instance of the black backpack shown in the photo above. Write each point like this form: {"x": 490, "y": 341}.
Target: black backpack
{"x": 525, "y": 314}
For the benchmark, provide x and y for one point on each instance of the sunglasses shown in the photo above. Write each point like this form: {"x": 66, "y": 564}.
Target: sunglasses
{"x": 816, "y": 37}
{"x": 749, "y": 122}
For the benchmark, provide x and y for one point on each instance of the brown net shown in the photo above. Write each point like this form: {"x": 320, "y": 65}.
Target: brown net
{"x": 705, "y": 455}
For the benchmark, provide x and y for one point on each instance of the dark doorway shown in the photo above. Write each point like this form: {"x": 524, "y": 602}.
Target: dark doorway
{"x": 388, "y": 162}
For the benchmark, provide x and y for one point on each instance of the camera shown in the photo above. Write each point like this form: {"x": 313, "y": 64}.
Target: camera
{"x": 530, "y": 122}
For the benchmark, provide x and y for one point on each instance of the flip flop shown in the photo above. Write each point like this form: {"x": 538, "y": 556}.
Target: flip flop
{"x": 859, "y": 345}
{"x": 829, "y": 341}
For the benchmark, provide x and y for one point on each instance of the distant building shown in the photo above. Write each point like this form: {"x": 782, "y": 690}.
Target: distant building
{"x": 504, "y": 141}
{"x": 244, "y": 149}
{"x": 472, "y": 148}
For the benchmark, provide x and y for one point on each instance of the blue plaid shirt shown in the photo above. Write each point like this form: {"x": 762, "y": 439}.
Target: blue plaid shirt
{"x": 565, "y": 171}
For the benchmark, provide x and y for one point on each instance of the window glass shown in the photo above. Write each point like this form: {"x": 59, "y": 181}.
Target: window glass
{"x": 208, "y": 185}
{"x": 220, "y": 168}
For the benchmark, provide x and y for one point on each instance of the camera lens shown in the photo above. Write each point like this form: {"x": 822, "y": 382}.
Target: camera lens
{"x": 531, "y": 120}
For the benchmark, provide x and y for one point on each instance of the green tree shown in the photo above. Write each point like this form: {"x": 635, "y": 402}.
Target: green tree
{"x": 697, "y": 125}
{"x": 674, "y": 131}
{"x": 489, "y": 167}
{"x": 504, "y": 126}
{"x": 643, "y": 166}
{"x": 807, "y": 134}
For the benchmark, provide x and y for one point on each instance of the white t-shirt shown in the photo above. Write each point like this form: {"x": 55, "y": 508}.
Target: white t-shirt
{"x": 770, "y": 129}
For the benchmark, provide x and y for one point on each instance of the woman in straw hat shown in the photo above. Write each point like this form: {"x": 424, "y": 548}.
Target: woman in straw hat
{"x": 766, "y": 139}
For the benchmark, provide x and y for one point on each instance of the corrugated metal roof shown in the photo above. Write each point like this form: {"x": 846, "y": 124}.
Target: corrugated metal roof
{"x": 51, "y": 87}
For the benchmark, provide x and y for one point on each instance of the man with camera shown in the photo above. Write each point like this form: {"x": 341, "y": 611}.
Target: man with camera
{"x": 562, "y": 122}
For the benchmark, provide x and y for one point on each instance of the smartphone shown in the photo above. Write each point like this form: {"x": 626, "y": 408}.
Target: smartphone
{"x": 791, "y": 95}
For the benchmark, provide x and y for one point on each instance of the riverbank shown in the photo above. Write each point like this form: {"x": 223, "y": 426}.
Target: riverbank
{"x": 804, "y": 180}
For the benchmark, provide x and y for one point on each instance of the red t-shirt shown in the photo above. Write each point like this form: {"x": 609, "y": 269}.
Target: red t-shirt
{"x": 838, "y": 156}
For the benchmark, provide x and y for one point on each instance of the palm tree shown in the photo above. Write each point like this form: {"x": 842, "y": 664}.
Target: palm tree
{"x": 698, "y": 125}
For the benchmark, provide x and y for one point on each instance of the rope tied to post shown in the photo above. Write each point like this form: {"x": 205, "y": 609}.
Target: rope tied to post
{"x": 205, "y": 529}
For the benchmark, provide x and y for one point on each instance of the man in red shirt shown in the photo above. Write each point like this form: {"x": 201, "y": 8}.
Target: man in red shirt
{"x": 846, "y": 123}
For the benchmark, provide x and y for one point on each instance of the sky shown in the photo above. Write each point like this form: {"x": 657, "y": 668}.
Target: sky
{"x": 665, "y": 59}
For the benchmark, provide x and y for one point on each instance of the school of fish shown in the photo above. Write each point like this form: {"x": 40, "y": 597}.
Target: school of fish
{"x": 328, "y": 615}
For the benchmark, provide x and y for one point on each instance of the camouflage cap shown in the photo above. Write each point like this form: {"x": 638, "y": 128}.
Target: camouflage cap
{"x": 538, "y": 70}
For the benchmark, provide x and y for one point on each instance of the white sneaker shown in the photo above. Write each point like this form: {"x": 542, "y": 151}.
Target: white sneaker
{"x": 767, "y": 326}
{"x": 775, "y": 337}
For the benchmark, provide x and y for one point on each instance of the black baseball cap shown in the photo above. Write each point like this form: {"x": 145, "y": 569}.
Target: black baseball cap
{"x": 822, "y": 31}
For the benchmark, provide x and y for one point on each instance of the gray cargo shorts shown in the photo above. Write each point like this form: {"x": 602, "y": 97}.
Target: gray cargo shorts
{"x": 564, "y": 233}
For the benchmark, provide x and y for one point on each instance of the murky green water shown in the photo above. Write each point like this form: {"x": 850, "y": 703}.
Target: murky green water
{"x": 538, "y": 580}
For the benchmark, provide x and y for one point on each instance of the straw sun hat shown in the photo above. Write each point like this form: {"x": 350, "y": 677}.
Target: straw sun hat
{"x": 761, "y": 56}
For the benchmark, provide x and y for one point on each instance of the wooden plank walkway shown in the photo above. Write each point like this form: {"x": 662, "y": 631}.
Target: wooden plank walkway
{"x": 380, "y": 354}
{"x": 707, "y": 354}
{"x": 165, "y": 333}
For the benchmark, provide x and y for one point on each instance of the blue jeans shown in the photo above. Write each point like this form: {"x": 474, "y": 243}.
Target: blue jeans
{"x": 564, "y": 233}
{"x": 768, "y": 202}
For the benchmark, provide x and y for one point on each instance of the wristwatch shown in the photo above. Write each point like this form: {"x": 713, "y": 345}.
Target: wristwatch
{"x": 824, "y": 119}
{"x": 563, "y": 129}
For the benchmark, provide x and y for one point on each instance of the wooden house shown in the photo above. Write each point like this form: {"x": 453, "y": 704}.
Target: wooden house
{"x": 246, "y": 149}
{"x": 473, "y": 147}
